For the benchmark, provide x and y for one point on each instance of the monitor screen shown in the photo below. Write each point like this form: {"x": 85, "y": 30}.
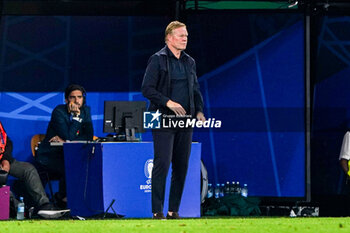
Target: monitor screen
{"x": 124, "y": 117}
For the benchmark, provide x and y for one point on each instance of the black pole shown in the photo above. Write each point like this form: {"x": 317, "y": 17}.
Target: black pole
{"x": 177, "y": 10}
{"x": 307, "y": 18}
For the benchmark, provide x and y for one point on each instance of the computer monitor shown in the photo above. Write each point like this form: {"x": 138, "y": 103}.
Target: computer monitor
{"x": 124, "y": 117}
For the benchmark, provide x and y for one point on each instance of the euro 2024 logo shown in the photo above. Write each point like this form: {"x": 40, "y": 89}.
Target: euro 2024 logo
{"x": 148, "y": 173}
{"x": 151, "y": 120}
{"x": 148, "y": 168}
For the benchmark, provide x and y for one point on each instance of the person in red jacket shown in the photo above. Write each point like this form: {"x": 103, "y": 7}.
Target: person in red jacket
{"x": 27, "y": 173}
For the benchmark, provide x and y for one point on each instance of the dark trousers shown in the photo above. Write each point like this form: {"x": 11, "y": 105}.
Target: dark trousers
{"x": 51, "y": 160}
{"x": 170, "y": 146}
{"x": 27, "y": 173}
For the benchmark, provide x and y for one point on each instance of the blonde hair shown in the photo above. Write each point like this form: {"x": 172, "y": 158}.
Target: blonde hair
{"x": 171, "y": 27}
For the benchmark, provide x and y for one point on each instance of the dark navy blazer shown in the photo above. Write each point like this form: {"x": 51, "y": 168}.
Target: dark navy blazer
{"x": 157, "y": 83}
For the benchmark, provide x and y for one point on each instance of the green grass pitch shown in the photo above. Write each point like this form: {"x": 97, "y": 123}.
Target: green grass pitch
{"x": 220, "y": 225}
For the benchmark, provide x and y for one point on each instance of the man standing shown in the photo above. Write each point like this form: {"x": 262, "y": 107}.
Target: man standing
{"x": 170, "y": 83}
{"x": 69, "y": 122}
{"x": 27, "y": 173}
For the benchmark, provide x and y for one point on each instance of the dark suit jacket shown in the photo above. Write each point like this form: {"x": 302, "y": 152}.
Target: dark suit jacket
{"x": 65, "y": 127}
{"x": 156, "y": 83}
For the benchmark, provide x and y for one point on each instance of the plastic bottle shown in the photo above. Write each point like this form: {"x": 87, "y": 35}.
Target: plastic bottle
{"x": 210, "y": 191}
{"x": 233, "y": 187}
{"x": 227, "y": 188}
{"x": 20, "y": 209}
{"x": 222, "y": 190}
{"x": 244, "y": 191}
{"x": 217, "y": 191}
{"x": 238, "y": 188}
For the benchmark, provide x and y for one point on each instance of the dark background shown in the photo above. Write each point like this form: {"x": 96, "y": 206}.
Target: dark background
{"x": 42, "y": 53}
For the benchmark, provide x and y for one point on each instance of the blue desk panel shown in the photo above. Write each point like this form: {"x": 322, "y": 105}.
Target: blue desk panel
{"x": 97, "y": 173}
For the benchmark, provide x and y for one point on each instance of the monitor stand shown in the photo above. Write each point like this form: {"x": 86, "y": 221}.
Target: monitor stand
{"x": 130, "y": 131}
{"x": 130, "y": 135}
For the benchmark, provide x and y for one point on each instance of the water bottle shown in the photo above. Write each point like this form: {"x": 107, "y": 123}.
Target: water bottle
{"x": 227, "y": 189}
{"x": 20, "y": 209}
{"x": 210, "y": 191}
{"x": 222, "y": 189}
{"x": 238, "y": 188}
{"x": 217, "y": 191}
{"x": 244, "y": 191}
{"x": 233, "y": 187}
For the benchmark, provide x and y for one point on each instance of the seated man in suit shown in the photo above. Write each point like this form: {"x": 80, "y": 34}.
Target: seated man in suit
{"x": 27, "y": 173}
{"x": 69, "y": 122}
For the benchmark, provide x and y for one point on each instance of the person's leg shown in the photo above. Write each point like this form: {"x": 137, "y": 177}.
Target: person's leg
{"x": 29, "y": 175}
{"x": 163, "y": 146}
{"x": 181, "y": 154}
{"x": 53, "y": 164}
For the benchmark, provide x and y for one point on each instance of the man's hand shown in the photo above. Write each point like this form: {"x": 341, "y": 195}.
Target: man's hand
{"x": 74, "y": 108}
{"x": 200, "y": 117}
{"x": 176, "y": 108}
{"x": 56, "y": 139}
{"x": 5, "y": 165}
{"x": 345, "y": 166}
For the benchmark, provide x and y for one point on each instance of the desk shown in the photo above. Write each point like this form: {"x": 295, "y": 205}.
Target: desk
{"x": 97, "y": 173}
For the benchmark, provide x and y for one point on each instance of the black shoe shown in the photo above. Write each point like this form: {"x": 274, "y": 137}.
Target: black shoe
{"x": 174, "y": 215}
{"x": 59, "y": 201}
{"x": 158, "y": 216}
{"x": 49, "y": 211}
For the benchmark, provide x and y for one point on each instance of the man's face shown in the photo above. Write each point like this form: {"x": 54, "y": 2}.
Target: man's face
{"x": 76, "y": 97}
{"x": 178, "y": 38}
